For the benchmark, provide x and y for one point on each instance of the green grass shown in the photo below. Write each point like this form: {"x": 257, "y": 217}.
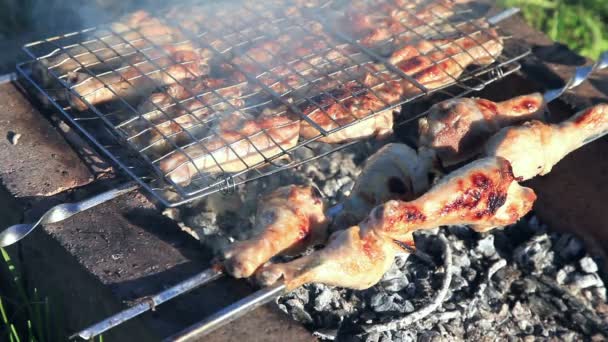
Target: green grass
{"x": 580, "y": 24}
{"x": 27, "y": 316}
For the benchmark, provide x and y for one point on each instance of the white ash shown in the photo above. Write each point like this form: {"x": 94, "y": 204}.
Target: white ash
{"x": 505, "y": 284}
{"x": 13, "y": 137}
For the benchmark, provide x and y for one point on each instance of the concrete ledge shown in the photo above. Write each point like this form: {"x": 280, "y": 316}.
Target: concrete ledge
{"x": 41, "y": 163}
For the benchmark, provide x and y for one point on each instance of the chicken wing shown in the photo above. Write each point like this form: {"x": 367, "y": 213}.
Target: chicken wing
{"x": 482, "y": 194}
{"x": 535, "y": 147}
{"x": 288, "y": 220}
{"x": 457, "y": 129}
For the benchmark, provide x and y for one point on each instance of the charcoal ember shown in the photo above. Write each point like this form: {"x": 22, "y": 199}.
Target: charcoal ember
{"x": 583, "y": 281}
{"x": 463, "y": 234}
{"x": 324, "y": 299}
{"x": 504, "y": 278}
{"x": 204, "y": 221}
{"x": 429, "y": 336}
{"x": 485, "y": 247}
{"x": 542, "y": 307}
{"x": 570, "y": 248}
{"x": 469, "y": 274}
{"x": 564, "y": 274}
{"x": 333, "y": 186}
{"x": 536, "y": 254}
{"x": 384, "y": 302}
{"x": 395, "y": 284}
{"x": 295, "y": 308}
{"x": 525, "y": 286}
{"x": 404, "y": 336}
{"x": 379, "y": 337}
{"x": 394, "y": 280}
{"x": 460, "y": 261}
{"x": 458, "y": 282}
{"x": 301, "y": 293}
{"x": 401, "y": 260}
{"x": 588, "y": 265}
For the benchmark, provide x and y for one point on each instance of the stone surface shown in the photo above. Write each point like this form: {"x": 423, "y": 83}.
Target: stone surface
{"x": 41, "y": 163}
{"x": 124, "y": 250}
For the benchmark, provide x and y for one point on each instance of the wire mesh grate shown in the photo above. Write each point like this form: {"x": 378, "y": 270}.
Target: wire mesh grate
{"x": 207, "y": 97}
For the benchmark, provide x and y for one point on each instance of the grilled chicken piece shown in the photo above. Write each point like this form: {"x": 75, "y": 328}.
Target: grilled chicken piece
{"x": 377, "y": 23}
{"x": 137, "y": 31}
{"x": 240, "y": 143}
{"x": 288, "y": 220}
{"x": 180, "y": 115}
{"x": 353, "y": 101}
{"x": 393, "y": 172}
{"x": 443, "y": 67}
{"x": 449, "y": 43}
{"x": 535, "y": 147}
{"x": 482, "y": 194}
{"x": 457, "y": 129}
{"x": 134, "y": 81}
{"x": 298, "y": 60}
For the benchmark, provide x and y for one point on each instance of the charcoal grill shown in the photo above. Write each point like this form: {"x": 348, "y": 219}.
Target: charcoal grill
{"x": 110, "y": 126}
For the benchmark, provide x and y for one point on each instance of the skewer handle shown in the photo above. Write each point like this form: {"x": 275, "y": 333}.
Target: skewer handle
{"x": 581, "y": 74}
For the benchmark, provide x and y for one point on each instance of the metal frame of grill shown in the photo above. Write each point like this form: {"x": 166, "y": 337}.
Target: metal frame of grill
{"x": 106, "y": 126}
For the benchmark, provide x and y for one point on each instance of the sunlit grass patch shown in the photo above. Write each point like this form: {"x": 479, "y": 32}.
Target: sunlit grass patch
{"x": 582, "y": 24}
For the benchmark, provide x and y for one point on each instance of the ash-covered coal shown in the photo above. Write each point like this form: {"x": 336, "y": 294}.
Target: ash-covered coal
{"x": 520, "y": 283}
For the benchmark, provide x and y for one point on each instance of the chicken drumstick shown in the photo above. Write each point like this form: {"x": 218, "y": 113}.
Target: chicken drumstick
{"x": 535, "y": 147}
{"x": 292, "y": 218}
{"x": 457, "y": 129}
{"x": 483, "y": 194}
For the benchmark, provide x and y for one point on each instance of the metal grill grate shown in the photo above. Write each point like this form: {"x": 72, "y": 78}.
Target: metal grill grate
{"x": 209, "y": 97}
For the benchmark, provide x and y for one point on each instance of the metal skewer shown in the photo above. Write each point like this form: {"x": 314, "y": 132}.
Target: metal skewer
{"x": 209, "y": 275}
{"x": 581, "y": 74}
{"x": 230, "y": 313}
{"x": 61, "y": 212}
{"x": 266, "y": 295}
{"x": 187, "y": 285}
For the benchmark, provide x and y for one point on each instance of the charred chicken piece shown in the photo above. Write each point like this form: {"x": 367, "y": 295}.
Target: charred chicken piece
{"x": 395, "y": 172}
{"x": 535, "y": 147}
{"x": 240, "y": 142}
{"x": 457, "y": 129}
{"x": 288, "y": 220}
{"x": 483, "y": 194}
{"x": 131, "y": 82}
